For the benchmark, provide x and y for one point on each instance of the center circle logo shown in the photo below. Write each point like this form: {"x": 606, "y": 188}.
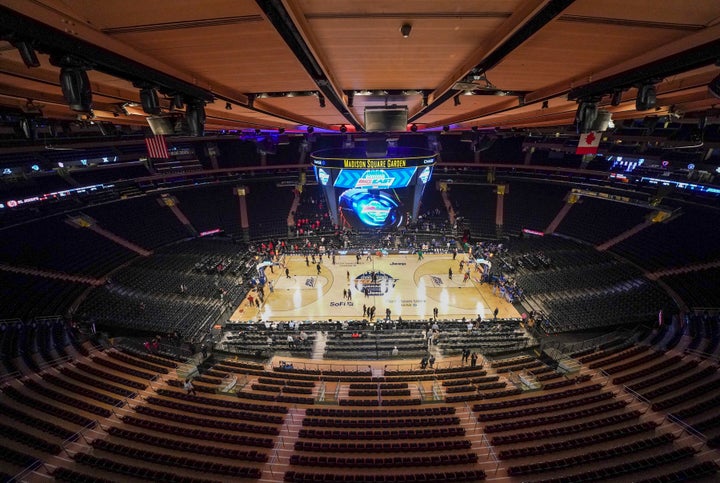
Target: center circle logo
{"x": 376, "y": 283}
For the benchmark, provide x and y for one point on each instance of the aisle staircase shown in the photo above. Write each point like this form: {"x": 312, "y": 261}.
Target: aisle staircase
{"x": 318, "y": 348}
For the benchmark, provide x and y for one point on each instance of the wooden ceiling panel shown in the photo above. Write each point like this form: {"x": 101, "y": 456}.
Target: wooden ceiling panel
{"x": 309, "y": 105}
{"x": 134, "y": 13}
{"x": 669, "y": 12}
{"x": 230, "y": 48}
{"x": 248, "y": 59}
{"x": 431, "y": 8}
{"x": 364, "y": 54}
{"x": 448, "y": 111}
{"x": 565, "y": 51}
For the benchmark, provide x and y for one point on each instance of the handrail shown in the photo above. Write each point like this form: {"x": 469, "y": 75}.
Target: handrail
{"x": 51, "y": 364}
{"x": 28, "y": 469}
{"x": 639, "y": 397}
{"x": 81, "y": 433}
{"x": 491, "y": 452}
{"x": 703, "y": 355}
{"x": 421, "y": 390}
{"x": 7, "y": 377}
{"x": 688, "y": 428}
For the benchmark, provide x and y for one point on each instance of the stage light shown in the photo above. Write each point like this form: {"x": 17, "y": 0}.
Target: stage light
{"x": 343, "y": 129}
{"x": 646, "y": 97}
{"x": 456, "y": 100}
{"x": 76, "y": 89}
{"x": 310, "y": 129}
{"x": 28, "y": 128}
{"x": 195, "y": 117}
{"x": 228, "y": 106}
{"x": 714, "y": 86}
{"x": 350, "y": 98}
{"x": 27, "y": 53}
{"x": 150, "y": 101}
{"x": 413, "y": 128}
{"x": 446, "y": 128}
{"x": 321, "y": 100}
{"x": 405, "y": 30}
{"x": 545, "y": 104}
{"x": 585, "y": 116}
{"x": 176, "y": 102}
{"x": 425, "y": 97}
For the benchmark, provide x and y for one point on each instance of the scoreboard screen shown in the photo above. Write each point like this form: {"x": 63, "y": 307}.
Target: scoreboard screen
{"x": 373, "y": 192}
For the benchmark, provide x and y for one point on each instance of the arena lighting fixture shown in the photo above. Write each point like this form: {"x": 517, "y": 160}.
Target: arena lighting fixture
{"x": 446, "y": 128}
{"x": 27, "y": 53}
{"x": 76, "y": 89}
{"x": 321, "y": 100}
{"x": 228, "y": 106}
{"x": 257, "y": 131}
{"x": 281, "y": 130}
{"x": 616, "y": 98}
{"x": 413, "y": 128}
{"x": 150, "y": 101}
{"x": 545, "y": 104}
{"x": 310, "y": 130}
{"x": 646, "y": 97}
{"x": 714, "y": 86}
{"x": 425, "y": 96}
{"x": 456, "y": 100}
{"x": 195, "y": 117}
{"x": 343, "y": 129}
{"x": 350, "y": 98}
{"x": 405, "y": 30}
{"x": 585, "y": 116}
{"x": 176, "y": 102}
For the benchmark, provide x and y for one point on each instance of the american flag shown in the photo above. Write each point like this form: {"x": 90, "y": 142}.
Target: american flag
{"x": 157, "y": 147}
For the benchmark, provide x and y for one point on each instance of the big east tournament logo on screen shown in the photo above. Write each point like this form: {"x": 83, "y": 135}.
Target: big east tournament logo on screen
{"x": 375, "y": 180}
{"x": 376, "y": 211}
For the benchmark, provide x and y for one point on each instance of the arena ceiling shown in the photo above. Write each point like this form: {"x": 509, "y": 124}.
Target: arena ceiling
{"x": 295, "y": 63}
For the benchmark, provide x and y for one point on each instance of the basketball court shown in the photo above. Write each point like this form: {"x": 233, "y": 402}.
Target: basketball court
{"x": 409, "y": 287}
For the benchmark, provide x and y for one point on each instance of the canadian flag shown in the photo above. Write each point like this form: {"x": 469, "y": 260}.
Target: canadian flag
{"x": 588, "y": 143}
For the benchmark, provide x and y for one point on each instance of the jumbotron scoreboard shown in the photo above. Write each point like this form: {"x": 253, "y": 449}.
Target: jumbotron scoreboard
{"x": 371, "y": 192}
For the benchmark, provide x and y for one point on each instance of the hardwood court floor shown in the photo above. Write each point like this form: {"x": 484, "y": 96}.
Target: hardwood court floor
{"x": 409, "y": 287}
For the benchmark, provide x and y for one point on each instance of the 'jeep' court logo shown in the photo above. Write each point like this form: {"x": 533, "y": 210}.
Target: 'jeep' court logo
{"x": 377, "y": 283}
